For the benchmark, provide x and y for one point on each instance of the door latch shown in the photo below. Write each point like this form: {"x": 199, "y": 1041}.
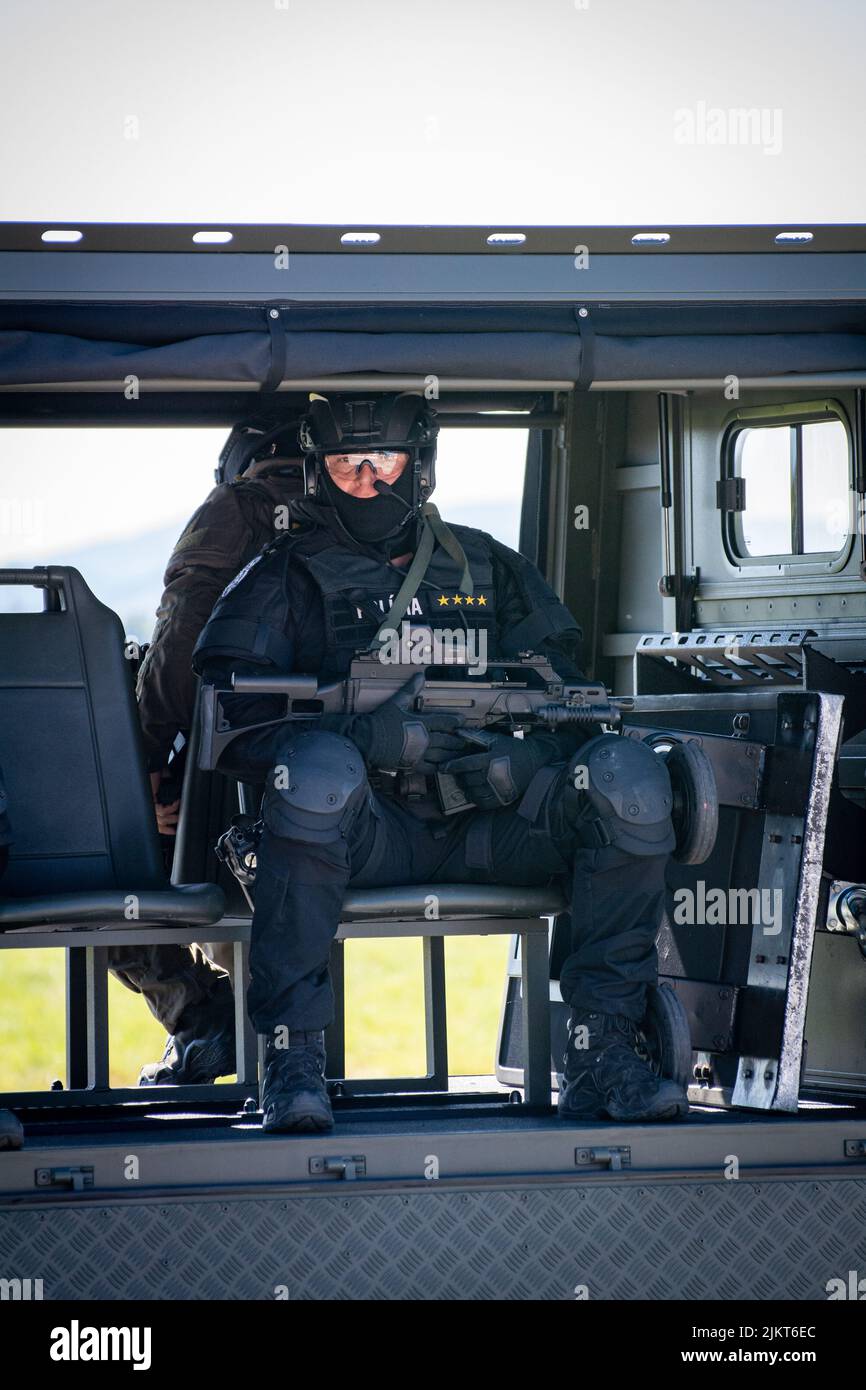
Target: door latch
{"x": 615, "y": 1157}
{"x": 77, "y": 1179}
{"x": 346, "y": 1168}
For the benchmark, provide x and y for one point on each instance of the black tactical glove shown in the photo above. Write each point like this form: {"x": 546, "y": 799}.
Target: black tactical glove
{"x": 501, "y": 771}
{"x": 395, "y": 738}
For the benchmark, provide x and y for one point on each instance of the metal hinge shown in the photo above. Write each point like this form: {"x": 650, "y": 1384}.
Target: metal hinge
{"x": 346, "y": 1168}
{"x": 75, "y": 1178}
{"x": 614, "y": 1157}
{"x": 855, "y": 1148}
{"x": 731, "y": 494}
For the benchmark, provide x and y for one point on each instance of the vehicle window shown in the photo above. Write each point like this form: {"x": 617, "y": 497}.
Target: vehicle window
{"x": 479, "y": 479}
{"x": 825, "y": 485}
{"x": 796, "y": 479}
{"x": 112, "y": 502}
{"x": 765, "y": 464}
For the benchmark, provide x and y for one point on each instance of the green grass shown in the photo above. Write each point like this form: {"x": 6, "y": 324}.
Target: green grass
{"x": 384, "y": 1013}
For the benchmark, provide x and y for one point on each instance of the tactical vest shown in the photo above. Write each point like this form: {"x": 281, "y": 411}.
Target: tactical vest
{"x": 357, "y": 596}
{"x": 357, "y": 592}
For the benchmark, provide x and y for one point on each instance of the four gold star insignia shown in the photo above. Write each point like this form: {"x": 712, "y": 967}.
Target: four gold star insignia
{"x": 459, "y": 599}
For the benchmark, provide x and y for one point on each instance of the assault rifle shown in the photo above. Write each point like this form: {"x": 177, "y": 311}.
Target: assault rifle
{"x": 518, "y": 694}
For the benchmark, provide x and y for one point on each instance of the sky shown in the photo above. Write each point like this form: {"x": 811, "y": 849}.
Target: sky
{"x": 468, "y": 111}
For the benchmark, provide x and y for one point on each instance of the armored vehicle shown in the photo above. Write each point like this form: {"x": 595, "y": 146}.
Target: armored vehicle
{"x": 693, "y": 405}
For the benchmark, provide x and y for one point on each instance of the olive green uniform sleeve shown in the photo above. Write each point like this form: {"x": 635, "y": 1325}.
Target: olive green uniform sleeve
{"x": 231, "y": 525}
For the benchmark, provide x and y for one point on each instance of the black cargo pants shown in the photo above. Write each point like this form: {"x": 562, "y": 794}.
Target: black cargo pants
{"x": 616, "y": 896}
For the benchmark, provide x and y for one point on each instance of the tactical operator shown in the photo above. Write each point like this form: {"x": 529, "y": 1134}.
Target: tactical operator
{"x": 333, "y": 812}
{"x": 259, "y": 475}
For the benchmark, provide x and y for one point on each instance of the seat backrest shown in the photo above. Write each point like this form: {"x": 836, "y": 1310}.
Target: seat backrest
{"x": 70, "y": 746}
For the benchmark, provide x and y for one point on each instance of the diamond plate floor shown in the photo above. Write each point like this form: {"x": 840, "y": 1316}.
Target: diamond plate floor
{"x": 629, "y": 1239}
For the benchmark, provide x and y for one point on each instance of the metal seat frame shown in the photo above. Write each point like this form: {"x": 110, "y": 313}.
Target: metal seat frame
{"x": 87, "y": 1032}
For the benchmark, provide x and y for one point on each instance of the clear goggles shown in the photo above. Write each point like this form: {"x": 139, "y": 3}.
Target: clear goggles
{"x": 384, "y": 463}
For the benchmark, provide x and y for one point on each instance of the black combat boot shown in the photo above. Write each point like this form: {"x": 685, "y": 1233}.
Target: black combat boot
{"x": 203, "y": 1047}
{"x": 608, "y": 1074}
{"x": 294, "y": 1095}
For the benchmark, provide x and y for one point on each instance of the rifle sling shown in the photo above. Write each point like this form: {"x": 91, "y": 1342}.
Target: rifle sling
{"x": 433, "y": 529}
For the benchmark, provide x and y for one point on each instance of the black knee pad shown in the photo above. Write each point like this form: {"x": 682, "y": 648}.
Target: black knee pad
{"x": 315, "y": 789}
{"x": 628, "y": 787}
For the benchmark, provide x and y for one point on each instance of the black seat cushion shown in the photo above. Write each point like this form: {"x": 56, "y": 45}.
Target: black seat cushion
{"x": 453, "y": 900}
{"x": 193, "y": 905}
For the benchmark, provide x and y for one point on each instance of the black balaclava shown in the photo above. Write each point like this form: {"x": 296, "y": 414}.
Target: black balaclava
{"x": 371, "y": 520}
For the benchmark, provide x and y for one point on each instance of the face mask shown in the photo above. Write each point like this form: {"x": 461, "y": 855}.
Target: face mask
{"x": 372, "y": 519}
